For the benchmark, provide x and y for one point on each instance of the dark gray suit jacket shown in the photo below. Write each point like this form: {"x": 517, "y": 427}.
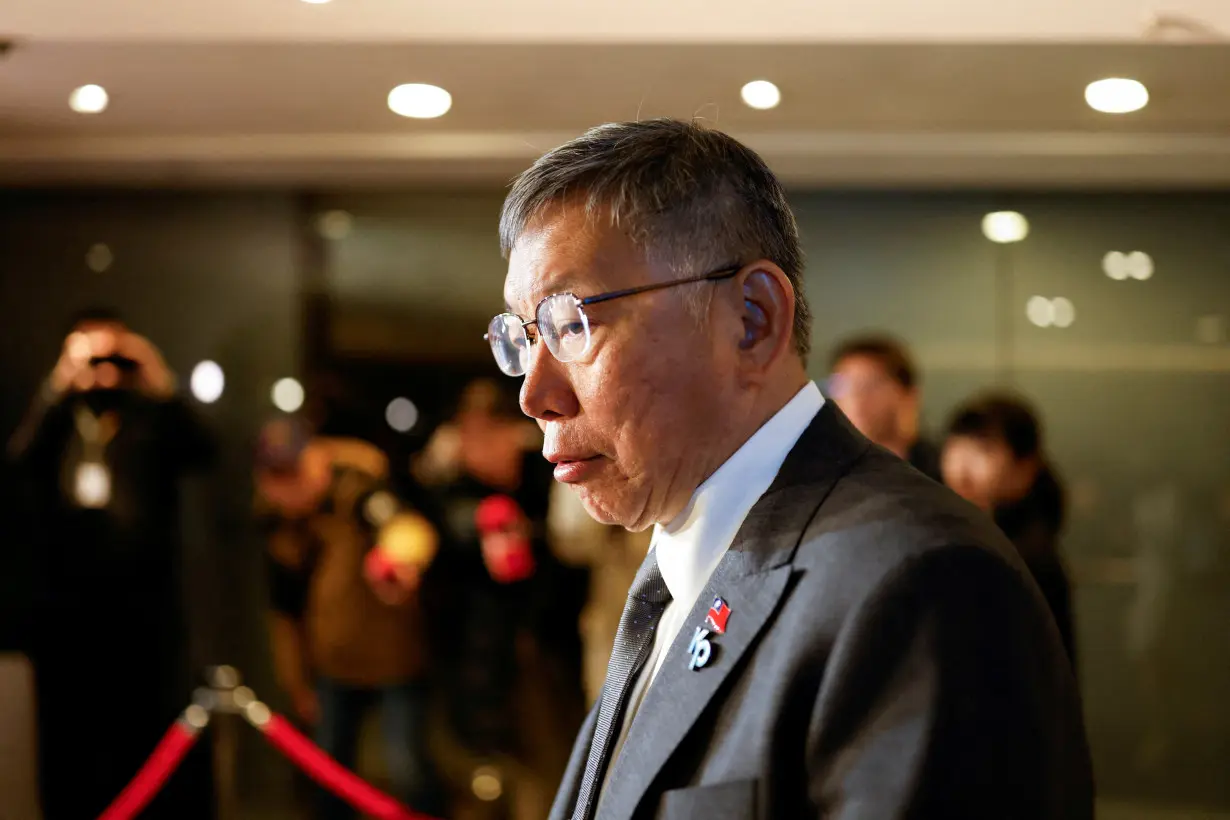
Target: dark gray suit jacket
{"x": 886, "y": 656}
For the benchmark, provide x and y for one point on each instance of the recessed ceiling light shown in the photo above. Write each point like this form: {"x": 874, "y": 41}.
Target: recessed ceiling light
{"x": 288, "y": 395}
{"x": 316, "y": 2}
{"x": 420, "y": 101}
{"x": 88, "y": 99}
{"x": 761, "y": 95}
{"x": 1005, "y": 226}
{"x": 1116, "y": 95}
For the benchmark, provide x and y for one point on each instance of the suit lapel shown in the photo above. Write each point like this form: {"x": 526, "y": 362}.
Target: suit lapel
{"x": 678, "y": 694}
{"x": 752, "y": 577}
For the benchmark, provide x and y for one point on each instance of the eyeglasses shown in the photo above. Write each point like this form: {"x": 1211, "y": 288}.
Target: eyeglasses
{"x": 561, "y": 322}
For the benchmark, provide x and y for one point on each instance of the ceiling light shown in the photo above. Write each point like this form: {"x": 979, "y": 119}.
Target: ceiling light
{"x": 1139, "y": 265}
{"x": 288, "y": 395}
{"x": 420, "y": 101}
{"x": 1115, "y": 265}
{"x": 1040, "y": 311}
{"x": 1121, "y": 266}
{"x": 207, "y": 382}
{"x": 1063, "y": 312}
{"x": 761, "y": 95}
{"x": 1005, "y": 226}
{"x": 1116, "y": 95}
{"x": 88, "y": 99}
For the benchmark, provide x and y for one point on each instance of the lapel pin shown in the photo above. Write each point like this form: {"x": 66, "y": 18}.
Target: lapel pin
{"x": 719, "y": 613}
{"x": 699, "y": 649}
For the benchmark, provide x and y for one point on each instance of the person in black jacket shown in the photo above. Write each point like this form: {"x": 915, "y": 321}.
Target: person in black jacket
{"x": 993, "y": 456}
{"x": 99, "y": 458}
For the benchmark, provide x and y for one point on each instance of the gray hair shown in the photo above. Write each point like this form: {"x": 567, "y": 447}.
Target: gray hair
{"x": 690, "y": 197}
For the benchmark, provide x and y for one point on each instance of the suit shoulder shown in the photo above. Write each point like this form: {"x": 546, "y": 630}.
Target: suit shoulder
{"x": 883, "y": 515}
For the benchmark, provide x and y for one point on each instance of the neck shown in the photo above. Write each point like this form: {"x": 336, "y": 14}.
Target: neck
{"x": 900, "y": 446}
{"x": 769, "y": 401}
{"x": 762, "y": 404}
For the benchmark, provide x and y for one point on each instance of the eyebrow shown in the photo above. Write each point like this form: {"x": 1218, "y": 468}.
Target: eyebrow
{"x": 566, "y": 283}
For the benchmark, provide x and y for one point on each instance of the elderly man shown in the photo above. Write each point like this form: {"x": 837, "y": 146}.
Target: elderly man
{"x": 817, "y": 630}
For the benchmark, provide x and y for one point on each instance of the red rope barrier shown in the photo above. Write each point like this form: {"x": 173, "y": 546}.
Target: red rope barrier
{"x": 326, "y": 771}
{"x": 167, "y": 756}
{"x": 332, "y": 775}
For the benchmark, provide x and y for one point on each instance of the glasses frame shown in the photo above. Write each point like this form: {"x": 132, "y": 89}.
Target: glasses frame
{"x": 725, "y": 272}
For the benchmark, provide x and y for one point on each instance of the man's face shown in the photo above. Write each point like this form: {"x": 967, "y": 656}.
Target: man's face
{"x": 627, "y": 424}
{"x": 877, "y": 404}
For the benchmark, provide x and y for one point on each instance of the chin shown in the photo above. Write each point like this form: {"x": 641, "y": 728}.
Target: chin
{"x": 601, "y": 510}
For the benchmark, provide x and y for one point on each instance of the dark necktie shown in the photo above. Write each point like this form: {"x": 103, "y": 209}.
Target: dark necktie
{"x": 647, "y": 599}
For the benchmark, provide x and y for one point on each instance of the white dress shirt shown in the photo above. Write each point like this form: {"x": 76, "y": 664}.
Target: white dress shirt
{"x": 690, "y": 546}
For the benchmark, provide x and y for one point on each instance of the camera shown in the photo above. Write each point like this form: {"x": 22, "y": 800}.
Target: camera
{"x": 121, "y": 363}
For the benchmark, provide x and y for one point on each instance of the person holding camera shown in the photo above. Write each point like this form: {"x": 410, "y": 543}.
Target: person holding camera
{"x": 99, "y": 457}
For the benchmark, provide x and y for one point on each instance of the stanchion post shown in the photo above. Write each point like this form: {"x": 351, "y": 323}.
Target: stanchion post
{"x": 224, "y": 684}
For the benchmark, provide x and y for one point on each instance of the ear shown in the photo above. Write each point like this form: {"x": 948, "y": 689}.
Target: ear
{"x": 767, "y": 315}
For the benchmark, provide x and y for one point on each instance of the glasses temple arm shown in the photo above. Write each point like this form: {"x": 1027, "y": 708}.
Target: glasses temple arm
{"x": 725, "y": 273}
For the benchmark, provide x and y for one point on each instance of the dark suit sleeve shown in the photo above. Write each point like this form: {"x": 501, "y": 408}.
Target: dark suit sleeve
{"x": 946, "y": 695}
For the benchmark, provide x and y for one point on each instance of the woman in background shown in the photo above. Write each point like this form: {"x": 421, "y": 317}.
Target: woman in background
{"x": 993, "y": 456}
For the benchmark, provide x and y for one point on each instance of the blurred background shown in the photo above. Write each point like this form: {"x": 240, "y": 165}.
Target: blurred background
{"x": 243, "y": 181}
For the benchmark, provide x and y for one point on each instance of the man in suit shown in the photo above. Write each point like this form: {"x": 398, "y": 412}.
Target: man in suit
{"x": 818, "y": 630}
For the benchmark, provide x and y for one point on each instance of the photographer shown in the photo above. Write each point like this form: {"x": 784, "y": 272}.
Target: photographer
{"x": 99, "y": 456}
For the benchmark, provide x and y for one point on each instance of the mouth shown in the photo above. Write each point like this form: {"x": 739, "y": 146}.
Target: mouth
{"x": 573, "y": 468}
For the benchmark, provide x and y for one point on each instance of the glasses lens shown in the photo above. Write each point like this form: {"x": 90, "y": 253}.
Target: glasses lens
{"x": 564, "y": 327}
{"x": 509, "y": 344}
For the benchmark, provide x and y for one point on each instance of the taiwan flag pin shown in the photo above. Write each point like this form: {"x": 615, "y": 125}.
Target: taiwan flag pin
{"x": 719, "y": 612}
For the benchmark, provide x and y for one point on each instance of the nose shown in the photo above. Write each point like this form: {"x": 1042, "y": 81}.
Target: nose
{"x": 546, "y": 391}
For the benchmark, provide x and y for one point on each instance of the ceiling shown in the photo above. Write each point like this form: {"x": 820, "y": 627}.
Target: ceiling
{"x": 278, "y": 92}
{"x": 570, "y": 21}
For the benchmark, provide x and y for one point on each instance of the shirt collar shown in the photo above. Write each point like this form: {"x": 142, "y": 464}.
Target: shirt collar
{"x": 689, "y": 546}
